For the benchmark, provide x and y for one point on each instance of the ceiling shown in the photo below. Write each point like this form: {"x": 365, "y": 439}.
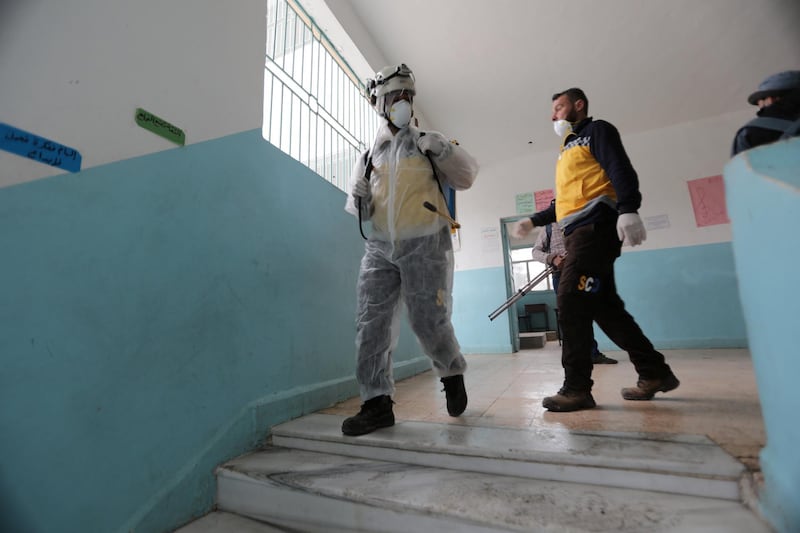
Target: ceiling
{"x": 486, "y": 70}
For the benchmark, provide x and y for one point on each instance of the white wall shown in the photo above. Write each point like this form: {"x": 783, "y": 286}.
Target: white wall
{"x": 665, "y": 160}
{"x": 364, "y": 67}
{"x": 74, "y": 71}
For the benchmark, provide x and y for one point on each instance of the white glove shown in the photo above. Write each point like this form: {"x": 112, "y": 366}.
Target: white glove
{"x": 433, "y": 143}
{"x": 630, "y": 229}
{"x": 361, "y": 187}
{"x": 521, "y": 228}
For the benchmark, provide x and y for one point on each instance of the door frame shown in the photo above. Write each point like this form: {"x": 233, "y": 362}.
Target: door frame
{"x": 513, "y": 316}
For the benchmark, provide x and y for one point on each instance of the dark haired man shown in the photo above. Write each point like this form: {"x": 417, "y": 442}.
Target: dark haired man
{"x": 597, "y": 199}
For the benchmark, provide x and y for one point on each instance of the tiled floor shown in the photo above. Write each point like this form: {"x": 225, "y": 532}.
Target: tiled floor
{"x": 717, "y": 397}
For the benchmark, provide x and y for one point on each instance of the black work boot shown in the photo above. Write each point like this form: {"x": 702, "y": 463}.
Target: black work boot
{"x": 645, "y": 389}
{"x": 456, "y": 394}
{"x": 568, "y": 400}
{"x": 375, "y": 413}
{"x": 602, "y": 359}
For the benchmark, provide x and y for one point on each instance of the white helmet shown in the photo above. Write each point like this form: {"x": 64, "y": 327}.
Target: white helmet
{"x": 391, "y": 79}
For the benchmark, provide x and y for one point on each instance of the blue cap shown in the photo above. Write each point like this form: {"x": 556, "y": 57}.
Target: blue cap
{"x": 776, "y": 84}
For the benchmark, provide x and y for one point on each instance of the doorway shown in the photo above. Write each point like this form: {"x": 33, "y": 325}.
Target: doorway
{"x": 519, "y": 268}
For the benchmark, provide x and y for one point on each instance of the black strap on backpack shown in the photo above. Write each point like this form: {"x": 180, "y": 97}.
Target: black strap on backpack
{"x": 436, "y": 177}
{"x": 548, "y": 229}
{"x": 790, "y": 128}
{"x": 367, "y": 172}
{"x": 792, "y": 131}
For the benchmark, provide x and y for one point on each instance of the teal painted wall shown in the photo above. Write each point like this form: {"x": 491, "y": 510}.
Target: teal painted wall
{"x": 683, "y": 297}
{"x": 476, "y": 293}
{"x": 158, "y": 316}
{"x": 763, "y": 196}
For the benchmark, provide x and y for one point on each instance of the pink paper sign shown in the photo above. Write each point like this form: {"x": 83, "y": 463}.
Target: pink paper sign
{"x": 708, "y": 201}
{"x": 542, "y": 199}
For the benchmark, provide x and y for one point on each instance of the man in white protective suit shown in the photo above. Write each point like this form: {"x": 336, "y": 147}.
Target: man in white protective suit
{"x": 408, "y": 259}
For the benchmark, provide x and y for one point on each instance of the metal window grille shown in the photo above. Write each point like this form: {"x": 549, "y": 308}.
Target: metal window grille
{"x": 315, "y": 107}
{"x": 524, "y": 269}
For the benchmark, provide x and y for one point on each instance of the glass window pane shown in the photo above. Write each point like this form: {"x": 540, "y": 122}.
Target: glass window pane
{"x": 535, "y": 268}
{"x": 315, "y": 109}
{"x": 521, "y": 254}
{"x": 519, "y": 273}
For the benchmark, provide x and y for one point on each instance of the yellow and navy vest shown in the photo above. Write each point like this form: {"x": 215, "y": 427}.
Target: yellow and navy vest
{"x": 593, "y": 170}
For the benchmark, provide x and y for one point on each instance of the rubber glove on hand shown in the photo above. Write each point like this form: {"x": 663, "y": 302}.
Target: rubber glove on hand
{"x": 361, "y": 188}
{"x": 630, "y": 229}
{"x": 521, "y": 228}
{"x": 433, "y": 143}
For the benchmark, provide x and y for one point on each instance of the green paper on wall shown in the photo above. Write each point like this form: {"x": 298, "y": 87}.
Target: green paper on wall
{"x": 524, "y": 203}
{"x": 159, "y": 126}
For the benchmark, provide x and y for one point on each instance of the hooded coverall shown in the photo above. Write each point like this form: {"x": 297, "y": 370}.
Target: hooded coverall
{"x": 408, "y": 256}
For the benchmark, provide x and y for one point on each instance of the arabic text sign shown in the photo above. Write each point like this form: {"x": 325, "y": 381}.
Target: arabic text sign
{"x": 159, "y": 126}
{"x": 39, "y": 149}
{"x": 524, "y": 203}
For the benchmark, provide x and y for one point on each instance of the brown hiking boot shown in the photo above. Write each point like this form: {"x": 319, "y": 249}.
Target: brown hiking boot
{"x": 645, "y": 389}
{"x": 567, "y": 400}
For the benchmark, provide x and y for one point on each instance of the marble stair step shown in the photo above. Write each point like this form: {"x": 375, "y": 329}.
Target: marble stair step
{"x": 320, "y": 492}
{"x": 221, "y": 522}
{"x": 679, "y": 464}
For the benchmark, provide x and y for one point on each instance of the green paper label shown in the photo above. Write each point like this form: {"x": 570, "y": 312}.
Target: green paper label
{"x": 524, "y": 203}
{"x": 159, "y": 126}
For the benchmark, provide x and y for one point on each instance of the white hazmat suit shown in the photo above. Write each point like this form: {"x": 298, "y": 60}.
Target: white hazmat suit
{"x": 409, "y": 253}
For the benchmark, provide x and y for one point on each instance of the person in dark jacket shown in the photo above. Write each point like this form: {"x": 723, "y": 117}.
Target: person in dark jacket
{"x": 778, "y": 116}
{"x": 597, "y": 199}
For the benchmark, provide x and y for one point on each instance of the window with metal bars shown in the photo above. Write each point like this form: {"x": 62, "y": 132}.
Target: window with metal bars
{"x": 524, "y": 269}
{"x": 315, "y": 107}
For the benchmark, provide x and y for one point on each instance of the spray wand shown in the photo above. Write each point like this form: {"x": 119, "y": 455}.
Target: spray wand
{"x": 430, "y": 207}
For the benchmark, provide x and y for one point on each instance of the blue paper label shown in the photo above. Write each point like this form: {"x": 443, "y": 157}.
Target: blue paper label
{"x": 39, "y": 149}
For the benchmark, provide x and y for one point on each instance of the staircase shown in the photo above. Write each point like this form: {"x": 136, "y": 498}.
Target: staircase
{"x": 436, "y": 477}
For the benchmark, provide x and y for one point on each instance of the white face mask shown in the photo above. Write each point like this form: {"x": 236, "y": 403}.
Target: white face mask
{"x": 562, "y": 127}
{"x": 400, "y": 113}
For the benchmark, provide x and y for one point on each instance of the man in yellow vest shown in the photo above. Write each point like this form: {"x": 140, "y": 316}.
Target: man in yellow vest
{"x": 597, "y": 199}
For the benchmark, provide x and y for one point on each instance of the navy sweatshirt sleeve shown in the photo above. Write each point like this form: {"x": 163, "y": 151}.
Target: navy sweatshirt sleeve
{"x": 606, "y": 146}
{"x": 545, "y": 216}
